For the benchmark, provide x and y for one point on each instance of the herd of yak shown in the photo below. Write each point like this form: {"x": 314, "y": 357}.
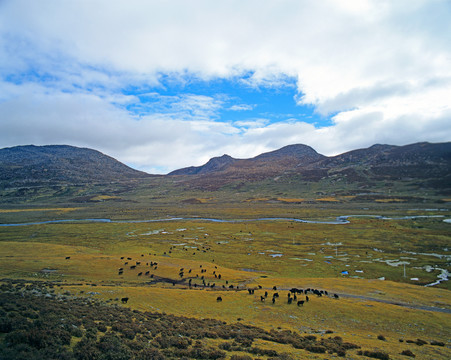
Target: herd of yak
{"x": 292, "y": 295}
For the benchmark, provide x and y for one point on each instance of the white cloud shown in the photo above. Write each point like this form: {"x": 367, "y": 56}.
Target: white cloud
{"x": 242, "y": 107}
{"x": 382, "y": 69}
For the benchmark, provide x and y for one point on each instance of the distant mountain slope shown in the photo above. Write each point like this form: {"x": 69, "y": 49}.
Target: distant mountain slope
{"x": 270, "y": 162}
{"x": 60, "y": 163}
{"x": 214, "y": 164}
{"x": 417, "y": 161}
{"x": 429, "y": 163}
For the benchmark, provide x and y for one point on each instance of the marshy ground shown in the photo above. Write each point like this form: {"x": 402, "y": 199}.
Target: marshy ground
{"x": 378, "y": 267}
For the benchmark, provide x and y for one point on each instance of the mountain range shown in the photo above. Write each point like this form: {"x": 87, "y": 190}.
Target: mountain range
{"x": 428, "y": 164}
{"x": 425, "y": 162}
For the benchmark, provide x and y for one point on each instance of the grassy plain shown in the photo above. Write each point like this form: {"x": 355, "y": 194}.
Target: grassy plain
{"x": 249, "y": 251}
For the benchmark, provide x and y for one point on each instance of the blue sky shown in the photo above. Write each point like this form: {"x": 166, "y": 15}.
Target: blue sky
{"x": 160, "y": 85}
{"x": 238, "y": 101}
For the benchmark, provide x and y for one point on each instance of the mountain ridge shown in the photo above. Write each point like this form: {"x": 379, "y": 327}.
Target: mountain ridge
{"x": 430, "y": 163}
{"x": 427, "y": 164}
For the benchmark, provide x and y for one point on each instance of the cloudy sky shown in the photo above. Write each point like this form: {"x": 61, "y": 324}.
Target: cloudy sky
{"x": 161, "y": 85}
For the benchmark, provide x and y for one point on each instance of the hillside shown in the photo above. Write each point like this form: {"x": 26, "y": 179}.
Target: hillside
{"x": 56, "y": 164}
{"x": 296, "y": 170}
{"x": 429, "y": 165}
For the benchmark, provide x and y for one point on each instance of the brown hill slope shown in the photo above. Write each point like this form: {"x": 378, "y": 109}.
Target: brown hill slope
{"x": 426, "y": 162}
{"x": 26, "y": 165}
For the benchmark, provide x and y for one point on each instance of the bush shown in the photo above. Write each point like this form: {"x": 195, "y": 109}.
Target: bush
{"x": 86, "y": 350}
{"x": 318, "y": 349}
{"x": 150, "y": 354}
{"x": 240, "y": 357}
{"x": 375, "y": 354}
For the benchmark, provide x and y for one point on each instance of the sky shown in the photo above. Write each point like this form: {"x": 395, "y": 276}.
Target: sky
{"x": 161, "y": 84}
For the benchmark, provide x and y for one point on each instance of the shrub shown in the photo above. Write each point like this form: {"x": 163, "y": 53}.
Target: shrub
{"x": 225, "y": 346}
{"x": 319, "y": 349}
{"x": 375, "y": 354}
{"x": 150, "y": 354}
{"x": 240, "y": 357}
{"x": 86, "y": 350}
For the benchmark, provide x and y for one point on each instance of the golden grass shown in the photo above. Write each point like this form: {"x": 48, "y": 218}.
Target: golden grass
{"x": 291, "y": 200}
{"x": 328, "y": 199}
{"x": 40, "y": 209}
{"x": 394, "y": 200}
{"x": 95, "y": 251}
{"x": 104, "y": 197}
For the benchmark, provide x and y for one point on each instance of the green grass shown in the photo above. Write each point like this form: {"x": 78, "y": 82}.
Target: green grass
{"x": 313, "y": 255}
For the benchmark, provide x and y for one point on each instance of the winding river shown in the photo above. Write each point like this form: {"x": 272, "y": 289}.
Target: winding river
{"x": 340, "y": 220}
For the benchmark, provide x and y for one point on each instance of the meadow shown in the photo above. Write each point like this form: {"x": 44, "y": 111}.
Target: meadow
{"x": 205, "y": 248}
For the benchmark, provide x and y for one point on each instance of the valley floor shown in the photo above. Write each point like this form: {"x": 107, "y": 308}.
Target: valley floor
{"x": 366, "y": 278}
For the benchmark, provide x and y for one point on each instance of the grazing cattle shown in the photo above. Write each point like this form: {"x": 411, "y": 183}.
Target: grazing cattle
{"x": 126, "y": 263}
{"x": 133, "y": 267}
{"x": 120, "y": 269}
{"x": 147, "y": 273}
{"x": 259, "y": 286}
{"x": 219, "y": 299}
{"x": 306, "y": 298}
{"x": 290, "y": 300}
{"x": 273, "y": 300}
{"x": 122, "y": 257}
{"x": 124, "y": 300}
{"x": 262, "y": 298}
{"x": 336, "y": 296}
{"x": 129, "y": 258}
{"x": 120, "y": 272}
{"x": 139, "y": 274}
{"x": 251, "y": 291}
{"x": 300, "y": 302}
{"x": 275, "y": 295}
{"x": 274, "y": 288}
{"x": 295, "y": 297}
